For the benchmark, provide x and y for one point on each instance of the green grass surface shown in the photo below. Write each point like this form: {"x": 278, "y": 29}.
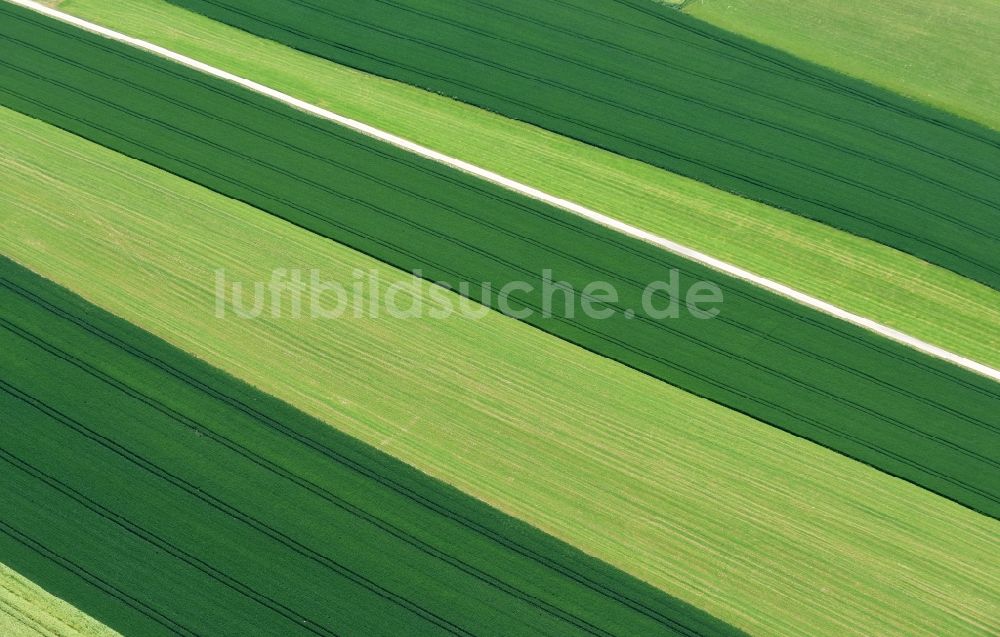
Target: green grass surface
{"x": 862, "y": 276}
{"x": 168, "y": 498}
{"x": 711, "y": 506}
{"x": 27, "y": 610}
{"x": 943, "y": 53}
{"x": 685, "y": 96}
{"x": 838, "y": 385}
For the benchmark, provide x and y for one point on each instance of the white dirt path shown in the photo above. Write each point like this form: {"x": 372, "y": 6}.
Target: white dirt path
{"x": 534, "y": 193}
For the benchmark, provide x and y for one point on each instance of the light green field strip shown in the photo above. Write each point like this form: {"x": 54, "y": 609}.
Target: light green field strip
{"x": 764, "y": 530}
{"x": 26, "y": 610}
{"x": 860, "y": 276}
{"x": 944, "y": 53}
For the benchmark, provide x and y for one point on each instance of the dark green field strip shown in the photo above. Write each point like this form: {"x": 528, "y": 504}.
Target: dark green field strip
{"x": 651, "y": 83}
{"x": 802, "y": 371}
{"x": 163, "y": 497}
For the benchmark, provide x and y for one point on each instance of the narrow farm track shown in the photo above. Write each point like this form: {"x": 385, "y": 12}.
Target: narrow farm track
{"x": 401, "y": 187}
{"x": 259, "y": 484}
{"x": 536, "y": 194}
{"x": 797, "y": 369}
{"x": 861, "y": 277}
{"x": 680, "y": 97}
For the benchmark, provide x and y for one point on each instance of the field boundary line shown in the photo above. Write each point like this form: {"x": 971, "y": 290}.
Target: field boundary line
{"x": 528, "y": 191}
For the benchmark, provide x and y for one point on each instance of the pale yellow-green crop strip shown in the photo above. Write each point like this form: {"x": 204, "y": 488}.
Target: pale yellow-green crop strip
{"x": 762, "y": 529}
{"x": 860, "y": 276}
{"x": 942, "y": 53}
{"x": 27, "y": 610}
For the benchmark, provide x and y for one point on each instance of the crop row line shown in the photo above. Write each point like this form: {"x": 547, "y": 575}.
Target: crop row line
{"x": 94, "y": 580}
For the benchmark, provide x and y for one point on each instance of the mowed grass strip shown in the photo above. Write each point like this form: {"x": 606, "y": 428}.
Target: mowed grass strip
{"x": 807, "y": 373}
{"x": 167, "y": 497}
{"x": 654, "y": 84}
{"x": 711, "y": 506}
{"x": 939, "y": 52}
{"x": 27, "y": 610}
{"x": 862, "y": 276}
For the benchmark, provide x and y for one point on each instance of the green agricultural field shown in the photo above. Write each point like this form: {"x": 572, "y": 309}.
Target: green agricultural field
{"x": 713, "y": 507}
{"x": 684, "y": 96}
{"x": 944, "y": 53}
{"x": 173, "y": 500}
{"x": 862, "y": 276}
{"x": 26, "y": 610}
{"x": 873, "y": 400}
